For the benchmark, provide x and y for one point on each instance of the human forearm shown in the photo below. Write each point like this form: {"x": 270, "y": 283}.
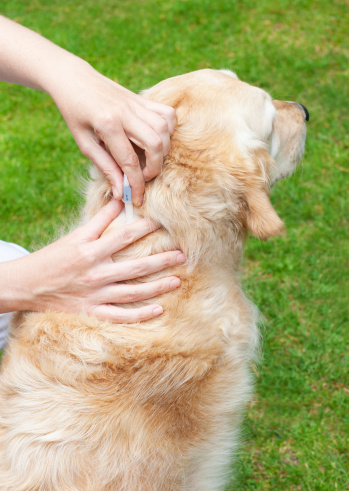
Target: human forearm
{"x": 28, "y": 59}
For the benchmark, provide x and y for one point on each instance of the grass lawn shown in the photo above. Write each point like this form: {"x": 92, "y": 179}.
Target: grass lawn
{"x": 295, "y": 431}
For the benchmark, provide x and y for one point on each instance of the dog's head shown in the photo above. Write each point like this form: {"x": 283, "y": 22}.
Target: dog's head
{"x": 231, "y": 143}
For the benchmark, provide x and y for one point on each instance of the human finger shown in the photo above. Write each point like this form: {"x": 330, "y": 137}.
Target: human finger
{"x": 120, "y": 315}
{"x": 129, "y": 293}
{"x": 126, "y": 158}
{"x": 101, "y": 158}
{"x": 135, "y": 268}
{"x": 158, "y": 123}
{"x": 165, "y": 111}
{"x": 117, "y": 240}
{"x": 154, "y": 138}
{"x": 97, "y": 225}
{"x": 141, "y": 133}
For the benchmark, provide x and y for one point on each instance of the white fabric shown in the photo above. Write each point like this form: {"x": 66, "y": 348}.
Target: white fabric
{"x": 8, "y": 252}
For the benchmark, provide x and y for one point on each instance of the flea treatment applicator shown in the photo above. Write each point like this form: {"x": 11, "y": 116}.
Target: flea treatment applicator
{"x": 127, "y": 199}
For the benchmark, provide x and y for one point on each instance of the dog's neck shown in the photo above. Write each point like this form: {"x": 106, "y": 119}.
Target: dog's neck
{"x": 202, "y": 249}
{"x": 210, "y": 293}
{"x": 213, "y": 248}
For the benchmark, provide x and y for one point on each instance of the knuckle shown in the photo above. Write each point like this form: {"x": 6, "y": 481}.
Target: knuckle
{"x": 150, "y": 225}
{"x": 162, "y": 126}
{"x": 131, "y": 159}
{"x": 168, "y": 260}
{"x": 131, "y": 296}
{"x": 93, "y": 309}
{"x": 105, "y": 121}
{"x": 172, "y": 113}
{"x": 84, "y": 255}
{"x": 151, "y": 172}
{"x": 155, "y": 144}
{"x": 126, "y": 236}
{"x": 108, "y": 174}
{"x": 90, "y": 309}
{"x": 90, "y": 278}
{"x": 87, "y": 264}
{"x": 128, "y": 315}
{"x": 92, "y": 254}
{"x": 162, "y": 287}
{"x": 119, "y": 316}
{"x": 86, "y": 149}
{"x": 142, "y": 315}
{"x": 139, "y": 270}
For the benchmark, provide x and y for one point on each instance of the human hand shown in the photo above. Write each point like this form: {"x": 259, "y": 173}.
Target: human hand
{"x": 104, "y": 117}
{"x": 77, "y": 273}
{"x": 100, "y": 113}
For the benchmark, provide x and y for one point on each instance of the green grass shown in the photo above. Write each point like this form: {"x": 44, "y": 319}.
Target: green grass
{"x": 295, "y": 429}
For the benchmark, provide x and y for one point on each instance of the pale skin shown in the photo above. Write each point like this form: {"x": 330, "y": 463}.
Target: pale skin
{"x": 76, "y": 273}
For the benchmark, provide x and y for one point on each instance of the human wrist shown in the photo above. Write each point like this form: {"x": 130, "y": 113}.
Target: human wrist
{"x": 61, "y": 73}
{"x": 15, "y": 291}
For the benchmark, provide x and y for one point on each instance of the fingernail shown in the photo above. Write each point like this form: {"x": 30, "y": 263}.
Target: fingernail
{"x": 116, "y": 193}
{"x": 158, "y": 310}
{"x": 181, "y": 258}
{"x": 175, "y": 283}
{"x": 140, "y": 201}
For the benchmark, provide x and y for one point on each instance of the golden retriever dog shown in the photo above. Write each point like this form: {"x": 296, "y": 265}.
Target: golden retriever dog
{"x": 87, "y": 405}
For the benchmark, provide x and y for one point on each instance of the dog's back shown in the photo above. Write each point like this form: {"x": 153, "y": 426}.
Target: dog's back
{"x": 87, "y": 405}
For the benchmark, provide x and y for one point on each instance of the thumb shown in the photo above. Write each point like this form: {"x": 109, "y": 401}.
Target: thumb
{"x": 97, "y": 225}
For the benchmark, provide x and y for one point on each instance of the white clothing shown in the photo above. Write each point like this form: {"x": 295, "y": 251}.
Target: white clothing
{"x": 8, "y": 252}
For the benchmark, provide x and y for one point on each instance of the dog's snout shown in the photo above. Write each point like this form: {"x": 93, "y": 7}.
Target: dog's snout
{"x": 306, "y": 112}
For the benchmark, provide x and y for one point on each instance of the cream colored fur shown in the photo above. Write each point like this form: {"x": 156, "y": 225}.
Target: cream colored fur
{"x": 87, "y": 405}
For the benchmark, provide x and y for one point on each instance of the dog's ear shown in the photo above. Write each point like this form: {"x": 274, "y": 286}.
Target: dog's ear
{"x": 262, "y": 220}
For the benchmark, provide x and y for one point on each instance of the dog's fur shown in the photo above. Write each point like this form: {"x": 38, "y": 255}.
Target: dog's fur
{"x": 87, "y": 405}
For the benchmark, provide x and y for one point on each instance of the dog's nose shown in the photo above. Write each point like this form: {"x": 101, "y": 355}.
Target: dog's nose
{"x": 306, "y": 112}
